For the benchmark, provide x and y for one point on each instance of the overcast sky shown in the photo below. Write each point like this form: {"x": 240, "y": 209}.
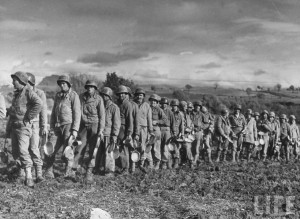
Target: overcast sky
{"x": 236, "y": 42}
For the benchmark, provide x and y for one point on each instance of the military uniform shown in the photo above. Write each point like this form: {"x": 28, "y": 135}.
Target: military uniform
{"x": 223, "y": 131}
{"x": 179, "y": 131}
{"x": 2, "y": 107}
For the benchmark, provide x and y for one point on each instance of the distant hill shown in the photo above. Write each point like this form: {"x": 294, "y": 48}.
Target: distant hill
{"x": 49, "y": 81}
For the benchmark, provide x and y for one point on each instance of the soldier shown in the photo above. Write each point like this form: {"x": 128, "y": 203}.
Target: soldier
{"x": 26, "y": 106}
{"x": 256, "y": 116}
{"x": 91, "y": 126}
{"x": 295, "y": 135}
{"x": 64, "y": 123}
{"x": 179, "y": 130}
{"x": 250, "y": 134}
{"x": 207, "y": 127}
{"x": 223, "y": 131}
{"x": 264, "y": 126}
{"x": 196, "y": 117}
{"x": 167, "y": 130}
{"x": 274, "y": 134}
{"x": 39, "y": 128}
{"x": 238, "y": 124}
{"x": 285, "y": 136}
{"x": 145, "y": 121}
{"x": 111, "y": 132}
{"x": 126, "y": 129}
{"x": 136, "y": 124}
{"x": 2, "y": 107}
{"x": 158, "y": 119}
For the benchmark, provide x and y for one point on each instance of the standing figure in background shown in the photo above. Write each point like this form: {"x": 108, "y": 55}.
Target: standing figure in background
{"x": 250, "y": 135}
{"x": 285, "y": 136}
{"x": 2, "y": 107}
{"x": 274, "y": 136}
{"x": 264, "y": 126}
{"x": 196, "y": 118}
{"x": 64, "y": 123}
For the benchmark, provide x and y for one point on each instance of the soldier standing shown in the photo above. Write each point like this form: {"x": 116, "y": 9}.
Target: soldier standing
{"x": 274, "y": 134}
{"x": 250, "y": 134}
{"x": 295, "y": 135}
{"x": 207, "y": 127}
{"x": 91, "y": 126}
{"x": 64, "y": 122}
{"x": 196, "y": 117}
{"x": 158, "y": 119}
{"x": 111, "y": 132}
{"x": 179, "y": 130}
{"x": 2, "y": 107}
{"x": 264, "y": 126}
{"x": 126, "y": 129}
{"x": 167, "y": 130}
{"x": 223, "y": 131}
{"x": 26, "y": 106}
{"x": 285, "y": 136}
{"x": 237, "y": 123}
{"x": 145, "y": 121}
{"x": 39, "y": 128}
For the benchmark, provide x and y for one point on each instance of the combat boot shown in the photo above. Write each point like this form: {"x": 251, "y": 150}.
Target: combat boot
{"x": 21, "y": 176}
{"x": 69, "y": 173}
{"x": 169, "y": 164}
{"x": 48, "y": 174}
{"x": 237, "y": 156}
{"x": 150, "y": 164}
{"x": 233, "y": 157}
{"x": 157, "y": 164}
{"x": 39, "y": 174}
{"x": 225, "y": 156}
{"x": 28, "y": 181}
{"x": 218, "y": 156}
{"x": 164, "y": 165}
{"x": 133, "y": 167}
{"x": 89, "y": 175}
{"x": 196, "y": 159}
{"x": 209, "y": 157}
{"x": 176, "y": 163}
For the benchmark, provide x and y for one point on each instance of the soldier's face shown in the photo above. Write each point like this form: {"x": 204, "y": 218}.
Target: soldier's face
{"x": 90, "y": 89}
{"x": 174, "y": 108}
{"x": 63, "y": 86}
{"x": 122, "y": 96}
{"x": 139, "y": 97}
{"x": 236, "y": 111}
{"x": 197, "y": 108}
{"x": 164, "y": 106}
{"x": 271, "y": 118}
{"x": 105, "y": 98}
{"x": 265, "y": 116}
{"x": 17, "y": 84}
{"x": 153, "y": 103}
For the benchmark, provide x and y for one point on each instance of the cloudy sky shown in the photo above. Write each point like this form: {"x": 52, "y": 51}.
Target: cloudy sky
{"x": 232, "y": 42}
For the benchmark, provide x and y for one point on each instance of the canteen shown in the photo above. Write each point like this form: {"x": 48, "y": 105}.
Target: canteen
{"x": 256, "y": 143}
{"x": 48, "y": 148}
{"x": 135, "y": 156}
{"x": 116, "y": 152}
{"x": 261, "y": 141}
{"x": 69, "y": 153}
{"x": 171, "y": 146}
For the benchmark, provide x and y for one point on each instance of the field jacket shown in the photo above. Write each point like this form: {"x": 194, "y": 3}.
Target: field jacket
{"x": 170, "y": 120}
{"x": 159, "y": 116}
{"x": 179, "y": 123}
{"x": 146, "y": 116}
{"x": 196, "y": 118}
{"x": 42, "y": 117}
{"x": 92, "y": 110}
{"x": 223, "y": 127}
{"x": 126, "y": 112}
{"x": 250, "y": 131}
{"x": 66, "y": 110}
{"x": 112, "y": 120}
{"x": 136, "y": 118}
{"x": 285, "y": 131}
{"x": 237, "y": 123}
{"x": 264, "y": 126}
{"x": 294, "y": 131}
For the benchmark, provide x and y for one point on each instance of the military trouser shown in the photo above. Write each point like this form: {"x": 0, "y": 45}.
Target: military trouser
{"x": 20, "y": 139}
{"x": 88, "y": 136}
{"x": 247, "y": 149}
{"x": 63, "y": 133}
{"x": 285, "y": 149}
{"x": 123, "y": 160}
{"x": 165, "y": 137}
{"x": 157, "y": 144}
{"x": 266, "y": 145}
{"x": 143, "y": 139}
{"x": 237, "y": 143}
{"x": 105, "y": 160}
{"x": 177, "y": 150}
{"x": 196, "y": 145}
{"x": 223, "y": 145}
{"x": 34, "y": 145}
{"x": 272, "y": 144}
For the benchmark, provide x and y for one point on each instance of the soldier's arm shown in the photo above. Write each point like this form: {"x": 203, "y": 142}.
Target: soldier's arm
{"x": 181, "y": 126}
{"x": 254, "y": 129}
{"x": 128, "y": 120}
{"x": 35, "y": 105}
{"x": 76, "y": 112}
{"x": 172, "y": 123}
{"x": 162, "y": 117}
{"x": 52, "y": 116}
{"x": 43, "y": 113}
{"x": 116, "y": 123}
{"x": 149, "y": 120}
{"x": 101, "y": 115}
{"x": 2, "y": 107}
{"x": 219, "y": 127}
{"x": 136, "y": 121}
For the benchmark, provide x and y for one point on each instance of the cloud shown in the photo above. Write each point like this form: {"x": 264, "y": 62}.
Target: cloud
{"x": 150, "y": 74}
{"x": 17, "y": 25}
{"x": 48, "y": 53}
{"x": 210, "y": 65}
{"x": 106, "y": 58}
{"x": 260, "y": 72}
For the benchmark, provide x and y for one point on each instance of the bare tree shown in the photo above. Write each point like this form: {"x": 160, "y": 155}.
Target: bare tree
{"x": 216, "y": 85}
{"x": 188, "y": 87}
{"x": 278, "y": 87}
{"x": 248, "y": 91}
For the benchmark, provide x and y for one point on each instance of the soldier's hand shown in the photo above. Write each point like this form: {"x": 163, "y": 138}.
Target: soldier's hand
{"x": 114, "y": 140}
{"x": 154, "y": 122}
{"x": 43, "y": 131}
{"x": 74, "y": 133}
{"x": 26, "y": 121}
{"x": 100, "y": 135}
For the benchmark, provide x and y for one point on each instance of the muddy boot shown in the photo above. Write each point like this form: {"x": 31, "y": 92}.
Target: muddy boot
{"x": 233, "y": 157}
{"x": 156, "y": 167}
{"x": 141, "y": 166}
{"x": 164, "y": 165}
{"x": 225, "y": 156}
{"x": 49, "y": 173}
{"x": 150, "y": 164}
{"x": 248, "y": 157}
{"x": 176, "y": 163}
{"x": 237, "y": 156}
{"x": 21, "y": 176}
{"x": 39, "y": 174}
{"x": 69, "y": 173}
{"x": 209, "y": 157}
{"x": 28, "y": 181}
{"x": 196, "y": 160}
{"x": 89, "y": 175}
{"x": 218, "y": 156}
{"x": 133, "y": 167}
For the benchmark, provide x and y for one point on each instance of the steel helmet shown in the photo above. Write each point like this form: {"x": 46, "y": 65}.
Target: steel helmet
{"x": 31, "y": 78}
{"x": 238, "y": 106}
{"x": 174, "y": 102}
{"x": 164, "y": 100}
{"x": 140, "y": 91}
{"x": 21, "y": 76}
{"x": 272, "y": 114}
{"x": 154, "y": 97}
{"x": 197, "y": 103}
{"x": 91, "y": 84}
{"x": 256, "y": 114}
{"x": 265, "y": 112}
{"x": 224, "y": 111}
{"x": 190, "y": 105}
{"x": 64, "y": 78}
{"x": 129, "y": 90}
{"x": 249, "y": 112}
{"x": 293, "y": 117}
{"x": 122, "y": 89}
{"x": 204, "y": 109}
{"x": 182, "y": 103}
{"x": 107, "y": 92}
{"x": 282, "y": 116}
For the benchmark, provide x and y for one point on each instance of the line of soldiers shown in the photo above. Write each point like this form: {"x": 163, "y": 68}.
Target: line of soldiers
{"x": 165, "y": 133}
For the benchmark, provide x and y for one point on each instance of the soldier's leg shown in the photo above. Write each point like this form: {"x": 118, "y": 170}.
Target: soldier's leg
{"x": 143, "y": 139}
{"x": 234, "y": 150}
{"x": 196, "y": 146}
{"x": 177, "y": 155}
{"x": 78, "y": 155}
{"x": 165, "y": 136}
{"x": 16, "y": 155}
{"x": 208, "y": 147}
{"x": 157, "y": 147}
{"x": 266, "y": 146}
